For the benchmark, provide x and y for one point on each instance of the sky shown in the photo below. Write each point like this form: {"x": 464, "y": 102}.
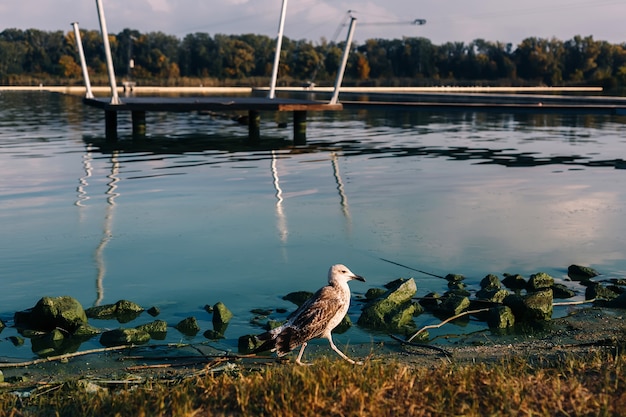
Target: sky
{"x": 505, "y": 21}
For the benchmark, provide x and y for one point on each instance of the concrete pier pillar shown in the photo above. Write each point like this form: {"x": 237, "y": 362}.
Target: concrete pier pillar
{"x": 139, "y": 124}
{"x": 299, "y": 127}
{"x": 254, "y": 125}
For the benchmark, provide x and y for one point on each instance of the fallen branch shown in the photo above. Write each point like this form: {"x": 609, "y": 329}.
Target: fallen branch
{"x": 448, "y": 320}
{"x": 421, "y": 345}
{"x": 61, "y": 357}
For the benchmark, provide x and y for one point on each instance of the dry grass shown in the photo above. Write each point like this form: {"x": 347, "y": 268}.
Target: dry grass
{"x": 593, "y": 386}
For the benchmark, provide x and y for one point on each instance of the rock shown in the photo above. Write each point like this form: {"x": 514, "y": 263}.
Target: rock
{"x": 120, "y": 337}
{"x": 2, "y": 325}
{"x": 213, "y": 335}
{"x": 581, "y": 273}
{"x": 343, "y": 326}
{"x": 618, "y": 302}
{"x": 261, "y": 311}
{"x": 248, "y": 343}
{"x": 430, "y": 301}
{"x": 561, "y": 291}
{"x": 156, "y": 329}
{"x": 188, "y": 326}
{"x": 123, "y": 311}
{"x": 454, "y": 277}
{"x": 453, "y": 304}
{"x": 514, "y": 281}
{"x": 539, "y": 281}
{"x": 393, "y": 310}
{"x": 16, "y": 340}
{"x": 221, "y": 316}
{"x": 457, "y": 286}
{"x": 154, "y": 311}
{"x": 86, "y": 331}
{"x": 272, "y": 324}
{"x": 298, "y": 297}
{"x": 492, "y": 295}
{"x": 208, "y": 308}
{"x": 538, "y": 305}
{"x": 374, "y": 293}
{"x": 599, "y": 291}
{"x": 490, "y": 283}
{"x": 48, "y": 344}
{"x": 516, "y": 303}
{"x": 50, "y": 313}
{"x": 500, "y": 317}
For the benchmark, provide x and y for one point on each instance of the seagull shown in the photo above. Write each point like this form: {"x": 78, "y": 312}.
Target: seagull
{"x": 316, "y": 317}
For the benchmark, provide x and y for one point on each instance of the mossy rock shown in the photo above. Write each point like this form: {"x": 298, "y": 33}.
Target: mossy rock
{"x": 538, "y": 306}
{"x": 581, "y": 273}
{"x": 157, "y": 329}
{"x": 121, "y": 337}
{"x": 154, "y": 311}
{"x": 248, "y": 344}
{"x": 454, "y": 277}
{"x": 123, "y": 311}
{"x": 514, "y": 281}
{"x": 500, "y": 317}
{"x": 298, "y": 297}
{"x": 393, "y": 311}
{"x": 539, "y": 281}
{"x": 599, "y": 291}
{"x": 490, "y": 282}
{"x": 188, "y": 326}
{"x": 492, "y": 295}
{"x": 221, "y": 315}
{"x": 561, "y": 291}
{"x": 374, "y": 293}
{"x": 51, "y": 313}
{"x": 213, "y": 335}
{"x": 86, "y": 331}
{"x": 453, "y": 304}
{"x": 343, "y": 326}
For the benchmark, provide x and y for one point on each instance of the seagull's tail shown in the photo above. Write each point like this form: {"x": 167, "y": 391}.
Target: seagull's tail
{"x": 280, "y": 341}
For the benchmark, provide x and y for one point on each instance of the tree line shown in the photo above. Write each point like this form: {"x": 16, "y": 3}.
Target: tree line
{"x": 33, "y": 56}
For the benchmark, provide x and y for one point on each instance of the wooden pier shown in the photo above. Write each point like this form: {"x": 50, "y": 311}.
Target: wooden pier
{"x": 138, "y": 106}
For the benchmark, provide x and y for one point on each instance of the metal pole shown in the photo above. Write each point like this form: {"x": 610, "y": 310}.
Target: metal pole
{"x": 344, "y": 61}
{"x": 279, "y": 42}
{"x": 83, "y": 62}
{"x": 107, "y": 51}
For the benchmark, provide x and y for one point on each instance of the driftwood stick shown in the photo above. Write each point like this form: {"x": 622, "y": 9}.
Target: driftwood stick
{"x": 62, "y": 357}
{"x": 573, "y": 303}
{"x": 421, "y": 345}
{"x": 448, "y": 320}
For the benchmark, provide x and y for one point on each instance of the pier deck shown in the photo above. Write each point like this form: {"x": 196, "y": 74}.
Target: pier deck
{"x": 138, "y": 106}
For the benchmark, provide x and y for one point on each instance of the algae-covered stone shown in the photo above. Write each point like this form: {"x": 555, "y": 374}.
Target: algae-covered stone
{"x": 618, "y": 302}
{"x": 561, "y": 291}
{"x": 248, "y": 344}
{"x": 2, "y": 325}
{"x": 581, "y": 273}
{"x": 48, "y": 344}
{"x": 393, "y": 310}
{"x": 157, "y": 329}
{"x": 599, "y": 291}
{"x": 374, "y": 293}
{"x": 490, "y": 282}
{"x": 123, "y": 311}
{"x": 500, "y": 317}
{"x": 121, "y": 337}
{"x": 492, "y": 295}
{"x": 154, "y": 311}
{"x": 538, "y": 305}
{"x": 298, "y": 297}
{"x": 86, "y": 331}
{"x": 51, "y": 313}
{"x": 514, "y": 281}
{"x": 540, "y": 281}
{"x": 16, "y": 340}
{"x": 213, "y": 335}
{"x": 343, "y": 326}
{"x": 453, "y": 304}
{"x": 430, "y": 301}
{"x": 188, "y": 326}
{"x": 221, "y": 315}
{"x": 454, "y": 277}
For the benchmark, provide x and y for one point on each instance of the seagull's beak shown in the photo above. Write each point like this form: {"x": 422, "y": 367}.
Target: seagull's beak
{"x": 358, "y": 278}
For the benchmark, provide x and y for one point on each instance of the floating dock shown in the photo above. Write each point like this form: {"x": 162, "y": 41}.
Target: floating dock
{"x": 138, "y": 106}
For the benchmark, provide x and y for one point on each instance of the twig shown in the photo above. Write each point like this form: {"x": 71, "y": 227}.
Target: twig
{"x": 62, "y": 357}
{"x": 573, "y": 303}
{"x": 436, "y": 326}
{"x": 421, "y": 345}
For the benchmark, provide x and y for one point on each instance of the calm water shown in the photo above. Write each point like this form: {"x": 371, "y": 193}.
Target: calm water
{"x": 191, "y": 215}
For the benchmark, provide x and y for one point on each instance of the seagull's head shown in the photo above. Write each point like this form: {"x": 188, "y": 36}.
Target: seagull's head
{"x": 340, "y": 274}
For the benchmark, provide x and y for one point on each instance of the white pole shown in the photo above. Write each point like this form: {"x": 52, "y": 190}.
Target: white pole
{"x": 83, "y": 62}
{"x": 344, "y": 61}
{"x": 107, "y": 51}
{"x": 279, "y": 42}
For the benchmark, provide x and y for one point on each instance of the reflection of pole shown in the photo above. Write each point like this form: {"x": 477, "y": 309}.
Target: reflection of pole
{"x": 281, "y": 219}
{"x": 107, "y": 51}
{"x": 344, "y": 61}
{"x": 107, "y": 233}
{"x": 82, "y": 181}
{"x": 345, "y": 208}
{"x": 279, "y": 42}
{"x": 83, "y": 62}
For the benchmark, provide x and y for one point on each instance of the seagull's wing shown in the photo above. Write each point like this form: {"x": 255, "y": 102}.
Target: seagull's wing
{"x": 311, "y": 319}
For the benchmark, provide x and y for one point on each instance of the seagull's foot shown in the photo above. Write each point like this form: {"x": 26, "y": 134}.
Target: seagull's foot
{"x": 298, "y": 362}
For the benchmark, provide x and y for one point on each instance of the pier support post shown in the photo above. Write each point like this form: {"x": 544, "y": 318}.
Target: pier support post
{"x": 299, "y": 127}
{"x": 110, "y": 128}
{"x": 254, "y": 125}
{"x": 139, "y": 124}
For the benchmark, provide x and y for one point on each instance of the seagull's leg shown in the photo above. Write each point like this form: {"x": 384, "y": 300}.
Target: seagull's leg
{"x": 300, "y": 355}
{"x": 340, "y": 353}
